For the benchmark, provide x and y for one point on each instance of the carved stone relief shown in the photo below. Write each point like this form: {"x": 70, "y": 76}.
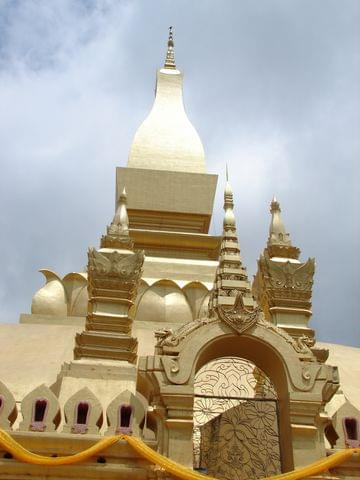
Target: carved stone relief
{"x": 40, "y": 410}
{"x": 8, "y": 410}
{"x": 127, "y": 267}
{"x": 83, "y": 413}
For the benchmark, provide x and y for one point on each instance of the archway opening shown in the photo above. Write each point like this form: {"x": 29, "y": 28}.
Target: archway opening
{"x": 236, "y": 431}
{"x": 40, "y": 410}
{"x": 124, "y": 419}
{"x": 351, "y": 428}
{"x": 82, "y": 413}
{"x": 266, "y": 356}
{"x": 81, "y": 419}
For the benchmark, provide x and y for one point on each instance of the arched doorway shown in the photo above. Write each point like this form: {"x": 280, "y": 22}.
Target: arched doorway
{"x": 236, "y": 433}
{"x": 303, "y": 384}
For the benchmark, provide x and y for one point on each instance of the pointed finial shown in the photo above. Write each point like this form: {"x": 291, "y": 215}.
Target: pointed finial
{"x": 277, "y": 232}
{"x": 274, "y": 206}
{"x": 228, "y": 193}
{"x": 121, "y": 218}
{"x": 229, "y": 217}
{"x": 170, "y": 57}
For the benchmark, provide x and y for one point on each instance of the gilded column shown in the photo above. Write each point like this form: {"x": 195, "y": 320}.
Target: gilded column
{"x": 283, "y": 284}
{"x": 114, "y": 271}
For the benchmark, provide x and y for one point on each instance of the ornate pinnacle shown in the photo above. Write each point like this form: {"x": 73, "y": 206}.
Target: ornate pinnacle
{"x": 117, "y": 233}
{"x": 275, "y": 205}
{"x": 119, "y": 228}
{"x": 230, "y": 279}
{"x": 170, "y": 57}
{"x": 121, "y": 217}
{"x": 229, "y": 217}
{"x": 277, "y": 232}
{"x": 279, "y": 242}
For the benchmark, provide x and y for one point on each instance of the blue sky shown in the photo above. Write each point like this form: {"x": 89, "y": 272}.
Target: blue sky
{"x": 273, "y": 88}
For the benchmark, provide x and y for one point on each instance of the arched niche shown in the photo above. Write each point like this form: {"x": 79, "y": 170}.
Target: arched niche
{"x": 83, "y": 413}
{"x": 8, "y": 410}
{"x": 195, "y": 293}
{"x": 75, "y": 285}
{"x": 346, "y": 410}
{"x": 125, "y": 414}
{"x": 40, "y": 410}
{"x": 164, "y": 302}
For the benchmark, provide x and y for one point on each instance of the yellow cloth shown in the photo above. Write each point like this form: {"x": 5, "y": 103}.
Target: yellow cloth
{"x": 20, "y": 453}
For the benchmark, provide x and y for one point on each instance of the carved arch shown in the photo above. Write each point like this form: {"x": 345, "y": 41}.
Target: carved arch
{"x": 302, "y": 383}
{"x": 113, "y": 413}
{"x": 264, "y": 345}
{"x": 8, "y": 410}
{"x": 40, "y": 410}
{"x": 263, "y": 348}
{"x": 86, "y": 405}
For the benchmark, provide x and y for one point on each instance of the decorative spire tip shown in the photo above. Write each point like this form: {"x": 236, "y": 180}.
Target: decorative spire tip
{"x": 275, "y": 205}
{"x": 170, "y": 57}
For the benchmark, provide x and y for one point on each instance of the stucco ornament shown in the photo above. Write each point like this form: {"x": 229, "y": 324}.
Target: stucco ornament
{"x": 239, "y": 318}
{"x": 289, "y": 276}
{"x": 300, "y": 345}
{"x": 168, "y": 338}
{"x": 114, "y": 264}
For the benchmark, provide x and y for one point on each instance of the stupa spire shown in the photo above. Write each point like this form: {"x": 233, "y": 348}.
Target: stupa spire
{"x": 167, "y": 140}
{"x": 231, "y": 277}
{"x": 170, "y": 57}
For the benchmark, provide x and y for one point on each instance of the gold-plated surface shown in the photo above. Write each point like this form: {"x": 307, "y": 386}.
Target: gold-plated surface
{"x": 231, "y": 279}
{"x": 283, "y": 284}
{"x": 167, "y": 140}
{"x": 167, "y": 200}
{"x": 159, "y": 307}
